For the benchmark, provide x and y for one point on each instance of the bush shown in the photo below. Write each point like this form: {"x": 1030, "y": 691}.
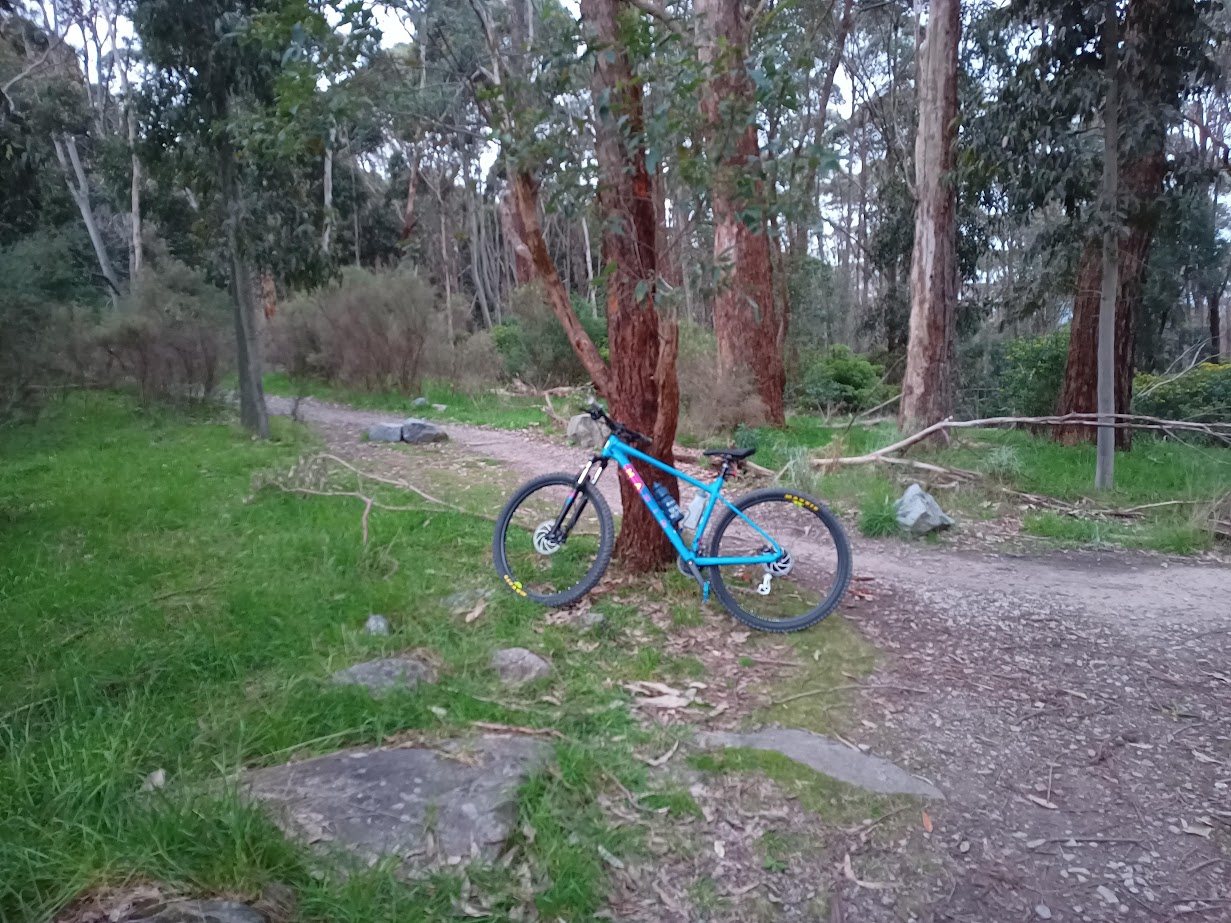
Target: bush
{"x": 533, "y": 345}
{"x": 1202, "y": 394}
{"x": 712, "y": 404}
{"x": 167, "y": 336}
{"x": 836, "y": 381}
{"x": 377, "y": 331}
{"x": 1020, "y": 377}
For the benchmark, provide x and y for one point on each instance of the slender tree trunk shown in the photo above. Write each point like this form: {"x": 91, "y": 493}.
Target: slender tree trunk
{"x": 476, "y": 273}
{"x": 70, "y": 162}
{"x": 585, "y": 237}
{"x": 1104, "y": 471}
{"x": 412, "y": 187}
{"x": 137, "y": 257}
{"x": 747, "y": 322}
{"x": 1214, "y": 314}
{"x": 927, "y": 388}
{"x": 252, "y": 411}
{"x": 328, "y": 200}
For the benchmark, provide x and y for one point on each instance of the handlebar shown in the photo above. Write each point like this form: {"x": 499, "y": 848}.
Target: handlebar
{"x": 624, "y": 432}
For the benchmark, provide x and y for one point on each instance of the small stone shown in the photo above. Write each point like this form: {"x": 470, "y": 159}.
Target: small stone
{"x": 419, "y": 402}
{"x": 419, "y": 432}
{"x": 154, "y": 781}
{"x": 586, "y": 432}
{"x": 376, "y": 625}
{"x": 964, "y": 846}
{"x": 464, "y": 601}
{"x": 385, "y": 674}
{"x": 385, "y": 432}
{"x": 516, "y": 665}
{"x": 1108, "y": 895}
{"x": 591, "y": 619}
{"x": 440, "y": 408}
{"x": 1043, "y": 911}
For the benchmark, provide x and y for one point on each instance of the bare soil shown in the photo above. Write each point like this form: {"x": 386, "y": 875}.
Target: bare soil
{"x": 1075, "y": 709}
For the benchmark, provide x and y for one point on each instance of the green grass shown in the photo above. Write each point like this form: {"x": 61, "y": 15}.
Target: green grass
{"x": 878, "y": 516}
{"x": 158, "y": 613}
{"x": 1154, "y": 471}
{"x": 485, "y": 408}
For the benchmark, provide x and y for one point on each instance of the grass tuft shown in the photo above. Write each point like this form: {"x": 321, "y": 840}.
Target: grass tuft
{"x": 878, "y": 516}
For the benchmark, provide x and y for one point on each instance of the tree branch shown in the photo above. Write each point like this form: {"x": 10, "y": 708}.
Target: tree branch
{"x": 659, "y": 12}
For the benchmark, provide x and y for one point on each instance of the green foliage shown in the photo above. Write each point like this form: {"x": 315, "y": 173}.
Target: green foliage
{"x": 837, "y": 381}
{"x": 878, "y": 516}
{"x": 1004, "y": 463}
{"x": 533, "y": 345}
{"x": 1020, "y": 377}
{"x": 1202, "y": 393}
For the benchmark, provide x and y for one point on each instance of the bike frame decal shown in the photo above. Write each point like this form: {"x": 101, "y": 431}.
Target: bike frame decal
{"x": 624, "y": 454}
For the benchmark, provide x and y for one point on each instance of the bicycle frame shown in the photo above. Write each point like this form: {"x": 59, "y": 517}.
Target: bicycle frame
{"x": 623, "y": 453}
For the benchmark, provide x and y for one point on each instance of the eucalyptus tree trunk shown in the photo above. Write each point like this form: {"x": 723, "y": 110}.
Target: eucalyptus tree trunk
{"x": 927, "y": 388}
{"x": 327, "y": 204}
{"x": 1105, "y": 459}
{"x": 749, "y": 324}
{"x": 253, "y": 413}
{"x": 79, "y": 189}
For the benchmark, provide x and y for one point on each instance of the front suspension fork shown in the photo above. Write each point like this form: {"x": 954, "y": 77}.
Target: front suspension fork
{"x": 576, "y": 502}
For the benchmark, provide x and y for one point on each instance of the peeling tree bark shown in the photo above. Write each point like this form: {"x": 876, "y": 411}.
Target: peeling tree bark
{"x": 927, "y": 387}
{"x": 748, "y": 322}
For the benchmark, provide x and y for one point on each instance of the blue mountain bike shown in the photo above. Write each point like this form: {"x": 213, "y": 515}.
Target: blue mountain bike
{"x": 778, "y": 560}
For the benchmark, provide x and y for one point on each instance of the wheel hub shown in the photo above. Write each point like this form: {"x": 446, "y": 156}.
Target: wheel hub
{"x": 545, "y": 542}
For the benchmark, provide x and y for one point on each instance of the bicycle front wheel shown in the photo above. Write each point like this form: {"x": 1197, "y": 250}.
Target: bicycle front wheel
{"x": 800, "y": 589}
{"x": 550, "y": 564}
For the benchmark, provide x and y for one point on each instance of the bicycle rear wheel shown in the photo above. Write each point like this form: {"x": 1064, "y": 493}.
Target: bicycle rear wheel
{"x": 549, "y": 566}
{"x": 805, "y": 585}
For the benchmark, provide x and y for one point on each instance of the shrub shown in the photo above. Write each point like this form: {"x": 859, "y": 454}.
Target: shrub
{"x": 1019, "y": 377}
{"x": 1004, "y": 463}
{"x": 533, "y": 345}
{"x": 376, "y": 331}
{"x": 167, "y": 337}
{"x": 1202, "y": 394}
{"x": 837, "y": 381}
{"x": 713, "y": 404}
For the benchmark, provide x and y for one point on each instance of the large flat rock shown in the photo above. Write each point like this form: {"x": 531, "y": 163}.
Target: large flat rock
{"x": 829, "y": 757}
{"x": 422, "y": 805}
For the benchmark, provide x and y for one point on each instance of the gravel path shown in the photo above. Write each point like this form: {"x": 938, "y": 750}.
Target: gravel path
{"x": 1075, "y": 708}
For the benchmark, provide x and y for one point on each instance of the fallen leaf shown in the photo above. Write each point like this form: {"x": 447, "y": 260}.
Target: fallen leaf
{"x": 1035, "y": 844}
{"x": 719, "y": 849}
{"x": 1206, "y": 758}
{"x": 659, "y": 760}
{"x": 472, "y": 615}
{"x": 666, "y": 701}
{"x": 870, "y": 885}
{"x": 1197, "y": 829}
{"x": 927, "y": 822}
{"x": 610, "y": 859}
{"x": 1043, "y": 803}
{"x": 739, "y": 637}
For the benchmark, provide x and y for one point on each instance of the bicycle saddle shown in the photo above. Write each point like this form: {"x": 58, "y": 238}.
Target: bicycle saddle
{"x": 732, "y": 454}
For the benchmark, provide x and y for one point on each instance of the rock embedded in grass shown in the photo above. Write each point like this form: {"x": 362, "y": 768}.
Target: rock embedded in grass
{"x": 516, "y": 665}
{"x": 424, "y": 806}
{"x": 387, "y": 673}
{"x": 197, "y": 912}
{"x": 419, "y": 402}
{"x": 376, "y": 625}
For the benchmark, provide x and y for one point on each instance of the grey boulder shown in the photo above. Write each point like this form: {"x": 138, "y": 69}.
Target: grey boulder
{"x": 385, "y": 432}
{"x": 421, "y": 805}
{"x": 516, "y": 665}
{"x": 585, "y": 432}
{"x": 385, "y": 674}
{"x": 417, "y": 432}
{"x": 919, "y": 513}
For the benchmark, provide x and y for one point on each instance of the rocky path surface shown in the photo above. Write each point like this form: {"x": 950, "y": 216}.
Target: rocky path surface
{"x": 1074, "y": 708}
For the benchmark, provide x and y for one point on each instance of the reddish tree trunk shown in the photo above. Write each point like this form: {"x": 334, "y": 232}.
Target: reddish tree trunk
{"x": 749, "y": 324}
{"x": 642, "y": 389}
{"x": 1142, "y": 184}
{"x": 927, "y": 387}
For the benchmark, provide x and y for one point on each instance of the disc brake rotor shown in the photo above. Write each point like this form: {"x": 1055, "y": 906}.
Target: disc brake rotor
{"x": 543, "y": 543}
{"x": 783, "y": 566}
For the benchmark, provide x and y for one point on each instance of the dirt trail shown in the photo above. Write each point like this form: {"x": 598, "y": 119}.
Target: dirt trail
{"x": 1074, "y": 707}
